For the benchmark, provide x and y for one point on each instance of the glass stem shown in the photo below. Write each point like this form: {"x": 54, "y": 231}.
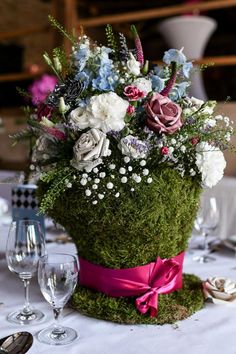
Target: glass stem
{"x": 26, "y": 309}
{"x": 206, "y": 251}
{"x": 58, "y": 330}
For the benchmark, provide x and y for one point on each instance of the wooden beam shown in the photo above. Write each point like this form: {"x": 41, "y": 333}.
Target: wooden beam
{"x": 19, "y": 76}
{"x": 155, "y": 13}
{"x": 22, "y": 32}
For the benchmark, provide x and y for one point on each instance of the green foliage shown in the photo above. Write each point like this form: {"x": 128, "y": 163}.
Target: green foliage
{"x": 60, "y": 54}
{"x": 57, "y": 179}
{"x": 62, "y": 30}
{"x": 171, "y": 307}
{"x": 25, "y": 134}
{"x": 111, "y": 41}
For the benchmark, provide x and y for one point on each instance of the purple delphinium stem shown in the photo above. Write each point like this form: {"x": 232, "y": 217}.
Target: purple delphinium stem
{"x": 138, "y": 45}
{"x": 171, "y": 81}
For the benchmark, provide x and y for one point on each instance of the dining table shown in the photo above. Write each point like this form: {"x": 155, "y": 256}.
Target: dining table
{"x": 209, "y": 331}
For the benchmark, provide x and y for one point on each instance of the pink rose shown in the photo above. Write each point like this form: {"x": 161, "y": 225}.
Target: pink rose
{"x": 163, "y": 115}
{"x": 133, "y": 93}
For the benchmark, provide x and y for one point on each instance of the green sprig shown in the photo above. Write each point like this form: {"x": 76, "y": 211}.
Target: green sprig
{"x": 61, "y": 29}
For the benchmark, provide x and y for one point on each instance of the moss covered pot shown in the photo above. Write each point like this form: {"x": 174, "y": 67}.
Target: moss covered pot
{"x": 154, "y": 220}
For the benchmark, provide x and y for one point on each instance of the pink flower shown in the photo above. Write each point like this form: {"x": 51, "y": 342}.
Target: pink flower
{"x": 163, "y": 115}
{"x": 164, "y": 150}
{"x": 44, "y": 111}
{"x": 133, "y": 93}
{"x": 42, "y": 87}
{"x": 194, "y": 141}
{"x": 130, "y": 110}
{"x": 56, "y": 133}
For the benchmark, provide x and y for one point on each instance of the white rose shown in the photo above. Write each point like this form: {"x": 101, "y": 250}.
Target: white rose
{"x": 133, "y": 147}
{"x": 143, "y": 84}
{"x": 89, "y": 150}
{"x": 79, "y": 117}
{"x": 133, "y": 65}
{"x": 107, "y": 112}
{"x": 211, "y": 163}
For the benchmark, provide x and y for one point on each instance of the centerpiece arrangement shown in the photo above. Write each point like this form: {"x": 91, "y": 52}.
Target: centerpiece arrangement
{"x": 121, "y": 154}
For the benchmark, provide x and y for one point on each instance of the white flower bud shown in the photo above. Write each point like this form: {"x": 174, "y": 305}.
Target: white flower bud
{"x": 149, "y": 180}
{"x": 110, "y": 185}
{"x": 83, "y": 181}
{"x": 145, "y": 172}
{"x": 88, "y": 192}
{"x": 122, "y": 170}
{"x": 124, "y": 180}
{"x": 142, "y": 163}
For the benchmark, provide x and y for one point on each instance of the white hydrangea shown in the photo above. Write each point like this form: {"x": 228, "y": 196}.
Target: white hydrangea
{"x": 211, "y": 163}
{"x": 143, "y": 84}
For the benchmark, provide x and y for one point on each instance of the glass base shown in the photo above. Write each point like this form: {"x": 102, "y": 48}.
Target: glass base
{"x": 204, "y": 259}
{"x": 20, "y": 317}
{"x": 47, "y": 336}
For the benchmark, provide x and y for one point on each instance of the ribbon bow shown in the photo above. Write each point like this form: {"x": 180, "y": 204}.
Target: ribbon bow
{"x": 160, "y": 277}
{"x": 163, "y": 280}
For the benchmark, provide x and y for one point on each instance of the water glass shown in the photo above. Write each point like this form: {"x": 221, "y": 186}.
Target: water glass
{"x": 25, "y": 245}
{"x": 57, "y": 277}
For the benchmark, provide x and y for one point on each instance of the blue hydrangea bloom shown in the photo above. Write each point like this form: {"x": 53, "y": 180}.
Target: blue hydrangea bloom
{"x": 174, "y": 55}
{"x": 179, "y": 91}
{"x": 186, "y": 68}
{"x": 81, "y": 56}
{"x": 85, "y": 77}
{"x": 158, "y": 83}
{"x": 106, "y": 78}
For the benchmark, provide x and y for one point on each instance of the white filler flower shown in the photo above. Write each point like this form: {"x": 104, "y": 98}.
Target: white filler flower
{"x": 211, "y": 163}
{"x": 133, "y": 65}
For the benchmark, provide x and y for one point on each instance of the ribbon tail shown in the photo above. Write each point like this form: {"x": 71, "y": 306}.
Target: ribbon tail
{"x": 148, "y": 301}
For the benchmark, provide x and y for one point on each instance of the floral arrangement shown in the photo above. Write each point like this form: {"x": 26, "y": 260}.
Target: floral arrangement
{"x": 113, "y": 117}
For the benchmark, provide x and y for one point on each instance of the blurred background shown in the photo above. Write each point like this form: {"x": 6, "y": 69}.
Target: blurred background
{"x": 205, "y": 28}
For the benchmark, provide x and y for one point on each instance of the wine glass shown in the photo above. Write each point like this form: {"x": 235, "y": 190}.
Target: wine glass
{"x": 207, "y": 220}
{"x": 25, "y": 245}
{"x": 57, "y": 277}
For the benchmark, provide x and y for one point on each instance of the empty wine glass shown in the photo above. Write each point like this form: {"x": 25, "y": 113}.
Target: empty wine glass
{"x": 207, "y": 220}
{"x": 57, "y": 277}
{"x": 25, "y": 245}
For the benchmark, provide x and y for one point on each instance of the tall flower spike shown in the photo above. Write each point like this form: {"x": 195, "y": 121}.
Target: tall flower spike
{"x": 138, "y": 45}
{"x": 171, "y": 81}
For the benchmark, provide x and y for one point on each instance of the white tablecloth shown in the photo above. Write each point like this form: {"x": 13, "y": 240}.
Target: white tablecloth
{"x": 209, "y": 331}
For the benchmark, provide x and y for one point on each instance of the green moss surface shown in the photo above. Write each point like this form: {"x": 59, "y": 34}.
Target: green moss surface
{"x": 134, "y": 229}
{"x": 171, "y": 307}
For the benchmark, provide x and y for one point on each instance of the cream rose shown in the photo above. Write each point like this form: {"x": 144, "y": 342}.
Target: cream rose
{"x": 79, "y": 117}
{"x": 89, "y": 150}
{"x": 216, "y": 288}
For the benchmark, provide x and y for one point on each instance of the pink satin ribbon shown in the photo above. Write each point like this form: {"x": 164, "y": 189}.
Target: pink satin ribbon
{"x": 161, "y": 277}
